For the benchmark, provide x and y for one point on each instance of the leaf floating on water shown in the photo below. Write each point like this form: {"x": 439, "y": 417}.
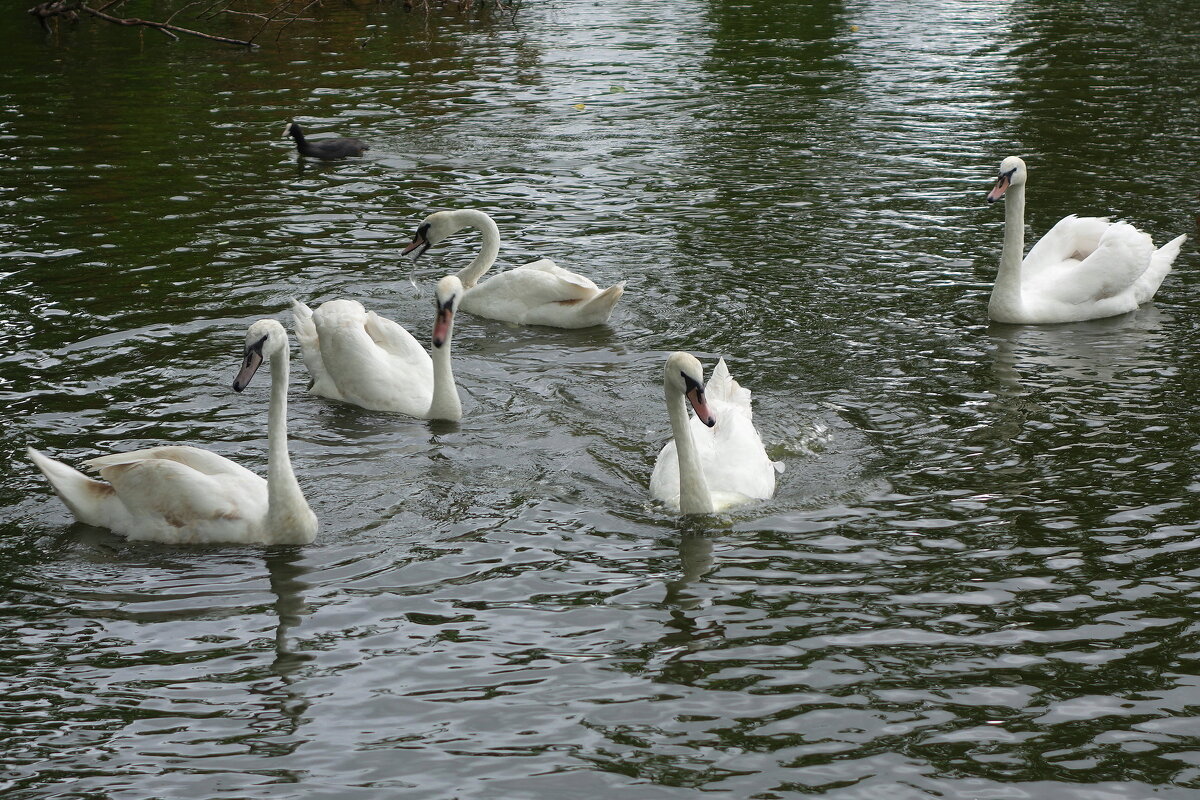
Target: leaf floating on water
{"x": 579, "y": 106}
{"x": 854, "y": 29}
{"x": 616, "y": 89}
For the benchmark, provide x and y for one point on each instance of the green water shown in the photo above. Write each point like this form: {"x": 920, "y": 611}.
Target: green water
{"x": 975, "y": 580}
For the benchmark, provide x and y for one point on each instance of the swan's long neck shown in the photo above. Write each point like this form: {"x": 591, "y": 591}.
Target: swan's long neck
{"x": 694, "y": 497}
{"x": 288, "y": 515}
{"x": 472, "y": 218}
{"x": 445, "y": 403}
{"x": 1005, "y": 304}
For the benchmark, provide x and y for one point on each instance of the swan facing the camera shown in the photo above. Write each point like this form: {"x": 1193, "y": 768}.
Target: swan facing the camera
{"x": 716, "y": 459}
{"x": 1083, "y": 268}
{"x": 359, "y": 357}
{"x": 538, "y": 293}
{"x": 185, "y": 495}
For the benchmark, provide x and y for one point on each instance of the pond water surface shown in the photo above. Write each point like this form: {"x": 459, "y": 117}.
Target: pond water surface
{"x": 979, "y": 573}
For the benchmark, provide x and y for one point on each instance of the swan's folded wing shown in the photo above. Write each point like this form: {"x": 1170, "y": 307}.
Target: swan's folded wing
{"x": 203, "y": 461}
{"x": 394, "y": 340}
{"x": 548, "y": 266}
{"x": 182, "y": 495}
{"x": 514, "y": 294}
{"x": 1072, "y": 238}
{"x": 1119, "y": 259}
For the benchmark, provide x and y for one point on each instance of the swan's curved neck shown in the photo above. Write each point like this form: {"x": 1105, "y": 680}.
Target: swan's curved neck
{"x": 1006, "y": 294}
{"x": 694, "y": 497}
{"x": 445, "y": 403}
{"x": 287, "y": 511}
{"x": 472, "y": 218}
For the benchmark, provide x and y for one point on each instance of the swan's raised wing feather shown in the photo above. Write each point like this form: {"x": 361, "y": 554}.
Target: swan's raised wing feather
{"x": 1119, "y": 259}
{"x": 1072, "y": 238}
{"x": 394, "y": 339}
{"x": 310, "y": 347}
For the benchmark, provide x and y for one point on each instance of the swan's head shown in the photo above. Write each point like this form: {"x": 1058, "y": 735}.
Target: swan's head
{"x": 684, "y": 374}
{"x": 264, "y": 339}
{"x": 1012, "y": 173}
{"x": 449, "y": 292}
{"x": 433, "y": 229}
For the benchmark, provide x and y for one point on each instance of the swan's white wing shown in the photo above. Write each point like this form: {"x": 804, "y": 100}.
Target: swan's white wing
{"x": 1071, "y": 239}
{"x": 203, "y": 461}
{"x": 398, "y": 377}
{"x": 162, "y": 494}
{"x": 526, "y": 296}
{"x": 310, "y": 348}
{"x": 1119, "y": 259}
{"x": 736, "y": 463}
{"x": 394, "y": 339}
{"x": 546, "y": 265}
{"x": 722, "y": 388}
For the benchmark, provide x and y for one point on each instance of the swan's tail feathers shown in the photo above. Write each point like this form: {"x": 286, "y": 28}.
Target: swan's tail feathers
{"x": 92, "y": 502}
{"x": 1160, "y": 265}
{"x": 598, "y": 309}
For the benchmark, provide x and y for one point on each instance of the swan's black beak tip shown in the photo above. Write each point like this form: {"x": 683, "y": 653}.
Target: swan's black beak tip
{"x": 238, "y": 386}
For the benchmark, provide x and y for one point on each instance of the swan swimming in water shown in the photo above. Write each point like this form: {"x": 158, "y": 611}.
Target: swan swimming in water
{"x": 716, "y": 459}
{"x": 538, "y": 293}
{"x": 1083, "y": 268}
{"x": 185, "y": 495}
{"x": 359, "y": 357}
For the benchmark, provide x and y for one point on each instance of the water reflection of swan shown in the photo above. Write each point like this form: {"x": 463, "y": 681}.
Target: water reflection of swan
{"x": 359, "y": 357}
{"x": 1092, "y": 351}
{"x": 1083, "y": 268}
{"x": 1069, "y": 360}
{"x": 185, "y": 495}
{"x": 695, "y": 561}
{"x": 539, "y": 293}
{"x": 716, "y": 460}
{"x": 285, "y": 567}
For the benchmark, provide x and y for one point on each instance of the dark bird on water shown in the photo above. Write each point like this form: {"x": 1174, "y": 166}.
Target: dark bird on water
{"x": 324, "y": 148}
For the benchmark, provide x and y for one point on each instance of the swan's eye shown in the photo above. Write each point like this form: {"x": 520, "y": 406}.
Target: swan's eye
{"x": 255, "y": 349}
{"x": 690, "y": 384}
{"x": 422, "y": 232}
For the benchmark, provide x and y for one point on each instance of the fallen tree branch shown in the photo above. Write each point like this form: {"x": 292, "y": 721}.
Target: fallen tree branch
{"x": 162, "y": 26}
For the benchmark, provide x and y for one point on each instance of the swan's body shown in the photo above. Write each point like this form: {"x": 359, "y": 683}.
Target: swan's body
{"x": 538, "y": 293}
{"x": 716, "y": 459}
{"x": 185, "y": 495}
{"x": 1083, "y": 268}
{"x": 359, "y": 357}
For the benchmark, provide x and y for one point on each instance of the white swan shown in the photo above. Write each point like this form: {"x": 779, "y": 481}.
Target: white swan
{"x": 359, "y": 357}
{"x": 538, "y": 293}
{"x": 1083, "y": 268}
{"x": 716, "y": 460}
{"x": 185, "y": 495}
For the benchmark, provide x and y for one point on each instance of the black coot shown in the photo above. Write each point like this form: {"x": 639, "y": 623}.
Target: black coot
{"x": 324, "y": 148}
